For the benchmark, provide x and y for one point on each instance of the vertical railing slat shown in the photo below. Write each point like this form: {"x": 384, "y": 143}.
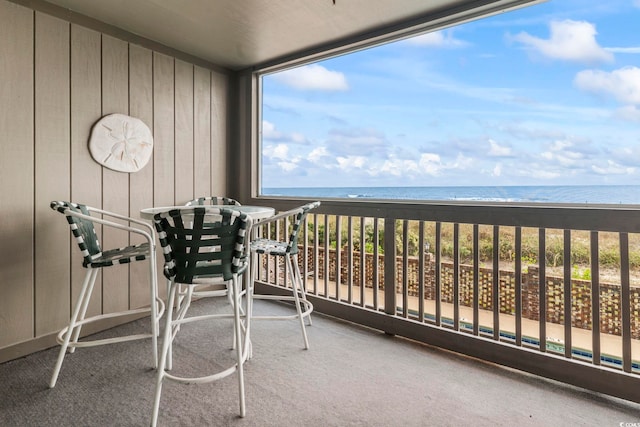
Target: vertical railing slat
{"x": 518, "y": 285}
{"x": 276, "y": 260}
{"x": 316, "y": 253}
{"x": 542, "y": 289}
{"x": 338, "y": 257}
{"x": 421, "y": 261}
{"x": 405, "y": 267}
{"x": 305, "y": 258}
{"x": 376, "y": 264}
{"x": 595, "y": 298}
{"x": 363, "y": 262}
{"x": 350, "y": 260}
{"x": 284, "y": 238}
{"x": 438, "y": 292}
{"x": 271, "y": 259}
{"x": 625, "y": 301}
{"x": 390, "y": 302}
{"x": 325, "y": 266}
{"x": 496, "y": 282}
{"x": 456, "y": 276}
{"x": 567, "y": 294}
{"x": 476, "y": 279}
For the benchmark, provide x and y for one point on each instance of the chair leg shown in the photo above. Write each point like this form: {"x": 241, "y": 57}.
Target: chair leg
{"x": 301, "y": 284}
{"x": 79, "y": 311}
{"x": 182, "y": 302}
{"x": 155, "y": 321}
{"x": 83, "y": 310}
{"x": 250, "y": 283}
{"x": 164, "y": 355}
{"x": 239, "y": 344}
{"x": 296, "y": 297}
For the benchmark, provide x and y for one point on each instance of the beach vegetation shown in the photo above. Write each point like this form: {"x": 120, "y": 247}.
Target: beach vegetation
{"x": 580, "y": 245}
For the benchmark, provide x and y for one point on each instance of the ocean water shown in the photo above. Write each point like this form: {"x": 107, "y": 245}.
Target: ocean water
{"x": 589, "y": 194}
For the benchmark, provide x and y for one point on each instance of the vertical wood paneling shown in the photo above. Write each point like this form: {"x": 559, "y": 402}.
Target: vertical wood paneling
{"x": 52, "y": 173}
{"x": 163, "y": 125}
{"x": 115, "y": 185}
{"x": 16, "y": 173}
{"x": 86, "y": 174}
{"x": 202, "y": 132}
{"x": 50, "y": 98}
{"x": 140, "y": 106}
{"x": 184, "y": 131}
{"x": 219, "y": 102}
{"x": 163, "y": 141}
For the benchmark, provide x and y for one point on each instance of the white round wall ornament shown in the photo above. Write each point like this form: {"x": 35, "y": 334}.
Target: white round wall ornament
{"x": 120, "y": 142}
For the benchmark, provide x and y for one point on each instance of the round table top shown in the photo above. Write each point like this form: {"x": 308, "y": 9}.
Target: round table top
{"x": 255, "y": 212}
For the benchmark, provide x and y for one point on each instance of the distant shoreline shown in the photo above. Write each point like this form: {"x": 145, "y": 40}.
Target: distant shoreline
{"x": 590, "y": 194}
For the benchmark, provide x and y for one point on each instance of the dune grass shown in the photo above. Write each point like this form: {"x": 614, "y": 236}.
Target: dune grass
{"x": 608, "y": 245}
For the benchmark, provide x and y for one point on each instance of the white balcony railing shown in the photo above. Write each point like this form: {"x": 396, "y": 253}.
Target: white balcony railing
{"x": 467, "y": 278}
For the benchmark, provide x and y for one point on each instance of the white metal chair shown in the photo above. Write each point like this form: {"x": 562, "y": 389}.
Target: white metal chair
{"x": 289, "y": 251}
{"x": 81, "y": 219}
{"x": 212, "y": 289}
{"x": 202, "y": 245}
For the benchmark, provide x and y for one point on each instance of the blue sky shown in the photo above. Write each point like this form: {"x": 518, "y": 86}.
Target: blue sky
{"x": 545, "y": 95}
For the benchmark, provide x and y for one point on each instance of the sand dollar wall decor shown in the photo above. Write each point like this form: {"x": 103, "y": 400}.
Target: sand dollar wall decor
{"x": 120, "y": 142}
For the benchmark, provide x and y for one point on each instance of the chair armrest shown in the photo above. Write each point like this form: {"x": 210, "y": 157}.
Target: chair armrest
{"x": 278, "y": 217}
{"x": 149, "y": 236}
{"x": 145, "y": 224}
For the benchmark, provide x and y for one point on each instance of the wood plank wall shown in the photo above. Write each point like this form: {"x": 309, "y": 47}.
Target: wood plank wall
{"x": 57, "y": 78}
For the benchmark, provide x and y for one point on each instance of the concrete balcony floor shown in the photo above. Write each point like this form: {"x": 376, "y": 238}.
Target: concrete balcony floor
{"x": 351, "y": 376}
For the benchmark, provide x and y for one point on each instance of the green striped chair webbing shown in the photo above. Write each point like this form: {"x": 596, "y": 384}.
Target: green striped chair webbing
{"x": 195, "y": 249}
{"x": 274, "y": 247}
{"x": 84, "y": 232}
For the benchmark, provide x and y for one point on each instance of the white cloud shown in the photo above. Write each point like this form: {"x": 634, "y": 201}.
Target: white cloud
{"x": 357, "y": 141}
{"x": 629, "y": 112}
{"x": 560, "y": 145}
{"x": 560, "y": 153}
{"x": 273, "y": 134}
{"x": 269, "y": 130}
{"x": 570, "y": 41}
{"x": 351, "y": 162}
{"x": 462, "y": 162}
{"x": 278, "y": 151}
{"x": 287, "y": 166}
{"x": 313, "y": 77}
{"x": 431, "y": 164}
{"x": 623, "y": 49}
{"x": 436, "y": 39}
{"x": 398, "y": 167}
{"x": 298, "y": 138}
{"x": 318, "y": 154}
{"x": 279, "y": 155}
{"x": 497, "y": 171}
{"x": 613, "y": 168}
{"x": 542, "y": 171}
{"x": 623, "y": 84}
{"x": 498, "y": 150}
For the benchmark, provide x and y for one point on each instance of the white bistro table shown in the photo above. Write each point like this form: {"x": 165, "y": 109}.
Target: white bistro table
{"x": 256, "y": 213}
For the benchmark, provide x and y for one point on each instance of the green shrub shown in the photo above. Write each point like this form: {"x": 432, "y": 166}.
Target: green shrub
{"x": 580, "y": 253}
{"x": 609, "y": 257}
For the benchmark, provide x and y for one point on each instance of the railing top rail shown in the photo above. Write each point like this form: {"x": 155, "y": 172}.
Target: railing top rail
{"x": 616, "y": 218}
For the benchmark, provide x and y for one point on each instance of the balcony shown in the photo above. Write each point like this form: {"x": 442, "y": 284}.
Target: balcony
{"x": 493, "y": 309}
{"x": 401, "y": 357}
{"x": 351, "y": 375}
